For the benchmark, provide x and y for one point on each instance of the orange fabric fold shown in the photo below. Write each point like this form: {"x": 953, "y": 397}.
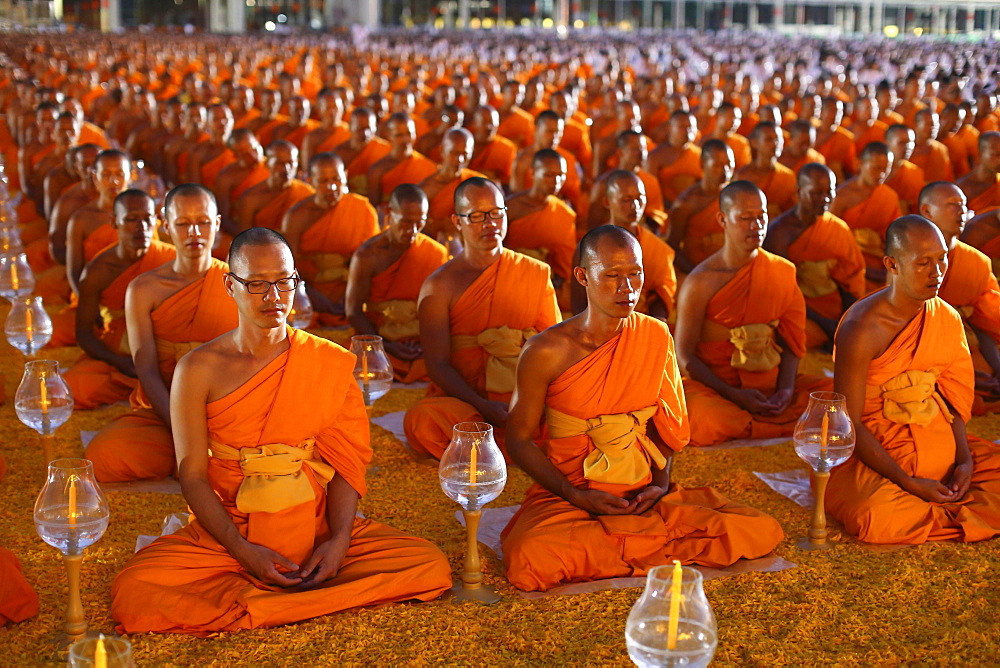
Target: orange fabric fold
{"x": 496, "y": 159}
{"x": 270, "y": 214}
{"x": 413, "y": 169}
{"x": 551, "y": 229}
{"x": 681, "y": 173}
{"x": 18, "y": 600}
{"x": 874, "y": 213}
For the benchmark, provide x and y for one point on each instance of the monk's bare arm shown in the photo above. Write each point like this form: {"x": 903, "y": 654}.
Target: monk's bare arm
{"x": 359, "y": 279}
{"x": 855, "y": 349}
{"x": 680, "y": 214}
{"x": 375, "y": 184}
{"x": 537, "y": 367}
{"x": 190, "y": 430}
{"x": 74, "y": 251}
{"x": 988, "y": 349}
{"x": 142, "y": 342}
{"x": 435, "y": 338}
{"x": 519, "y": 173}
{"x": 93, "y": 281}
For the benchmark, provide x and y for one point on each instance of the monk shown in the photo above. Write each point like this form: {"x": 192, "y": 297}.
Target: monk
{"x": 106, "y": 373}
{"x": 867, "y": 205}
{"x": 952, "y": 135}
{"x": 969, "y": 286}
{"x": 632, "y": 154}
{"x": 362, "y": 150}
{"x": 728, "y": 118}
{"x": 475, "y": 314}
{"x": 324, "y": 231}
{"x": 835, "y": 142}
{"x": 627, "y": 118}
{"x": 265, "y": 204}
{"x": 402, "y": 164}
{"x": 904, "y": 366}
{"x": 773, "y": 178}
{"x": 386, "y": 274}
{"x": 331, "y": 131}
{"x": 33, "y": 152}
{"x": 798, "y": 150}
{"x": 168, "y": 312}
{"x": 548, "y": 133}
{"x": 603, "y": 504}
{"x": 456, "y": 151}
{"x": 868, "y": 127}
{"x": 244, "y": 173}
{"x": 540, "y": 224}
{"x": 298, "y": 124}
{"x": 210, "y": 157}
{"x": 284, "y": 552}
{"x": 929, "y": 154}
{"x": 89, "y": 230}
{"x": 263, "y": 126}
{"x": 982, "y": 185}
{"x": 741, "y": 332}
{"x": 677, "y": 161}
{"x": 905, "y": 177}
{"x": 829, "y": 267}
{"x": 176, "y": 151}
{"x": 65, "y": 135}
{"x": 62, "y": 176}
{"x": 75, "y": 197}
{"x": 516, "y": 124}
{"x": 493, "y": 155}
{"x": 695, "y": 231}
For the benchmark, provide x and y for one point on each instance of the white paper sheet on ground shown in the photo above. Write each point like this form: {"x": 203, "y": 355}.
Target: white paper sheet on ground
{"x": 794, "y": 484}
{"x": 393, "y": 422}
{"x": 494, "y": 520}
{"x": 86, "y": 437}
{"x": 418, "y": 385}
{"x": 743, "y": 443}
{"x": 172, "y": 523}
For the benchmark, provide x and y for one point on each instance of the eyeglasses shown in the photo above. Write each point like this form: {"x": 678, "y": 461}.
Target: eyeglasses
{"x": 479, "y": 217}
{"x": 264, "y": 287}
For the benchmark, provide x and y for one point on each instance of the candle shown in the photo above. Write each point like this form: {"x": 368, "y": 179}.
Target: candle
{"x": 27, "y": 319}
{"x": 824, "y": 434}
{"x": 100, "y": 653}
{"x": 675, "y": 606}
{"x": 72, "y": 500}
{"x": 44, "y": 395}
{"x": 14, "y": 282}
{"x": 473, "y": 465}
{"x": 364, "y": 364}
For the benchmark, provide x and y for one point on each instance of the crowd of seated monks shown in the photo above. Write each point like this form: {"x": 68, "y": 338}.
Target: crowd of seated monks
{"x": 612, "y": 252}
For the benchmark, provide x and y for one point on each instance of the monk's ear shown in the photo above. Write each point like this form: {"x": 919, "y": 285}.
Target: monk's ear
{"x": 218, "y": 222}
{"x": 456, "y": 221}
{"x": 580, "y": 274}
{"x": 889, "y": 263}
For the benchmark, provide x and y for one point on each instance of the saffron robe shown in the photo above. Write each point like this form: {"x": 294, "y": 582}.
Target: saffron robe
{"x": 877, "y": 510}
{"x": 138, "y": 445}
{"x": 762, "y": 292}
{"x": 199, "y": 588}
{"x": 869, "y": 220}
{"x": 550, "y": 542}
{"x": 413, "y": 169}
{"x": 270, "y": 214}
{"x": 548, "y": 234}
{"x": 18, "y": 600}
{"x": 496, "y": 159}
{"x": 908, "y": 180}
{"x": 513, "y": 292}
{"x": 681, "y": 174}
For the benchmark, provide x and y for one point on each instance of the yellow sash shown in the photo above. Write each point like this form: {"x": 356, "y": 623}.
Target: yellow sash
{"x": 869, "y": 241}
{"x": 399, "y": 319}
{"x": 503, "y": 346}
{"x": 912, "y": 398}
{"x": 330, "y": 267}
{"x": 814, "y": 278}
{"x": 273, "y": 479}
{"x": 754, "y": 346}
{"x": 107, "y": 317}
{"x": 622, "y": 449}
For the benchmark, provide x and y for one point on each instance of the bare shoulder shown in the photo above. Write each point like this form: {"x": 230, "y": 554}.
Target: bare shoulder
{"x": 372, "y": 247}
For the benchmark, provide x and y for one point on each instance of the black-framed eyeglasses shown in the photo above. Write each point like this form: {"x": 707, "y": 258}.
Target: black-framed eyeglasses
{"x": 263, "y": 287}
{"x": 479, "y": 217}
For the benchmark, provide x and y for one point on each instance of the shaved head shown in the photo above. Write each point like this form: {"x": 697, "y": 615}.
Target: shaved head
{"x": 407, "y": 193}
{"x": 898, "y": 234}
{"x": 471, "y": 184}
{"x": 617, "y": 237}
{"x": 189, "y": 190}
{"x": 729, "y": 194}
{"x": 255, "y": 236}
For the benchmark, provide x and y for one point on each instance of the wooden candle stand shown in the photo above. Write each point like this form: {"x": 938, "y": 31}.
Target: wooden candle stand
{"x": 817, "y": 540}
{"x": 471, "y": 588}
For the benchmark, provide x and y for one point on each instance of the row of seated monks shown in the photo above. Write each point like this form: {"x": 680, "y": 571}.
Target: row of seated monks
{"x": 602, "y": 295}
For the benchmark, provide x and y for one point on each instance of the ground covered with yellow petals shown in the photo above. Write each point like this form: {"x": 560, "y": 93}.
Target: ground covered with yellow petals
{"x": 934, "y": 604}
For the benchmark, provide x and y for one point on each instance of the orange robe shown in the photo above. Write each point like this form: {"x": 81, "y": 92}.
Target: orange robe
{"x": 392, "y": 301}
{"x": 357, "y": 170}
{"x": 257, "y": 175}
{"x": 971, "y": 288}
{"x": 763, "y": 292}
{"x": 659, "y": 277}
{"x": 654, "y": 194}
{"x": 327, "y": 246}
{"x": 576, "y": 140}
{"x": 986, "y": 200}
{"x": 827, "y": 262}
{"x": 874, "y": 132}
{"x": 518, "y": 126}
{"x": 199, "y": 588}
{"x": 270, "y": 214}
{"x": 18, "y": 600}
{"x": 839, "y": 148}
{"x": 877, "y": 510}
{"x": 442, "y": 205}
{"x": 704, "y": 233}
{"x": 869, "y": 220}
{"x": 95, "y": 383}
{"x": 210, "y": 170}
{"x": 780, "y": 188}
{"x": 138, "y": 445}
{"x": 514, "y": 292}
{"x": 548, "y": 234}
{"x": 550, "y": 541}
{"x": 908, "y": 181}
{"x": 812, "y": 155}
{"x": 92, "y": 134}
{"x": 741, "y": 149}
{"x": 413, "y": 169}
{"x": 936, "y": 163}
{"x": 958, "y": 152}
{"x": 679, "y": 175}
{"x": 497, "y": 159}
{"x": 337, "y": 136}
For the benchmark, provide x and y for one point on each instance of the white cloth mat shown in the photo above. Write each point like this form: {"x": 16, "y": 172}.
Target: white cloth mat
{"x": 794, "y": 484}
{"x": 393, "y": 422}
